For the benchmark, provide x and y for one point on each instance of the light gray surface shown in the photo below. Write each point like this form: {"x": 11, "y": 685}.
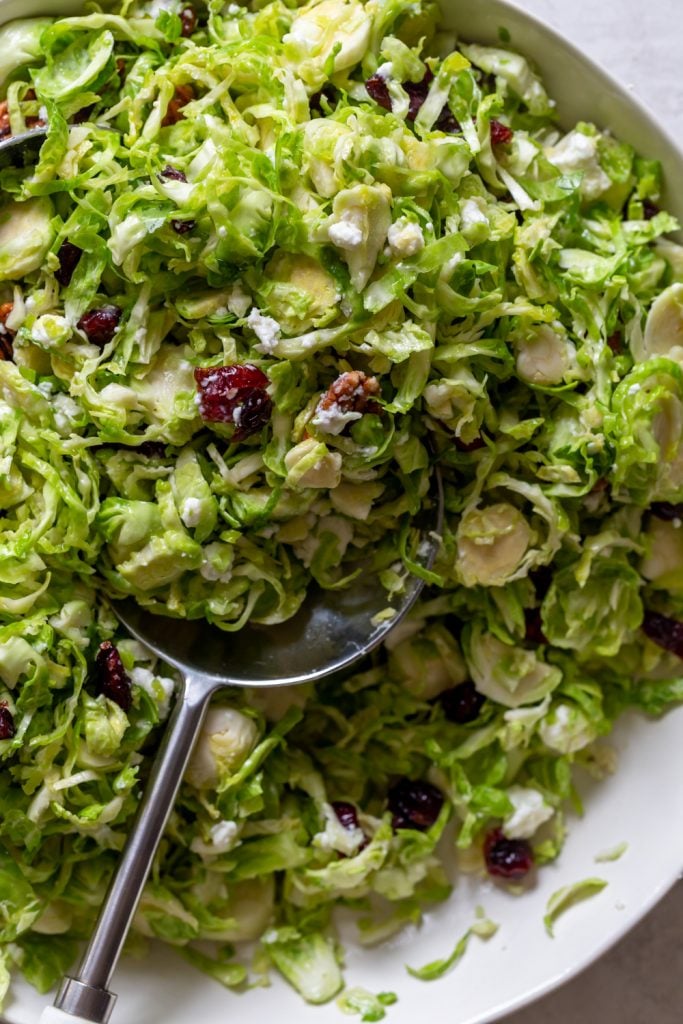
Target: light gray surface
{"x": 641, "y": 979}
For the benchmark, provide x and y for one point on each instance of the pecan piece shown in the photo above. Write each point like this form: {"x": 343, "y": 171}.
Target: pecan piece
{"x": 6, "y": 335}
{"x": 5, "y": 129}
{"x": 182, "y": 96}
{"x": 352, "y": 391}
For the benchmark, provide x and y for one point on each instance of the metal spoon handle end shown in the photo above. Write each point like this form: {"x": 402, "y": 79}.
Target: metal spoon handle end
{"x": 85, "y": 995}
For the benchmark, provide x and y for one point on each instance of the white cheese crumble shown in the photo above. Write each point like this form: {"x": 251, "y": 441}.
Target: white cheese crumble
{"x": 266, "y": 330}
{"x": 529, "y": 812}
{"x": 567, "y": 731}
{"x": 335, "y": 837}
{"x": 191, "y": 512}
{"x": 223, "y": 837}
{"x": 405, "y": 238}
{"x": 333, "y": 419}
{"x": 345, "y": 235}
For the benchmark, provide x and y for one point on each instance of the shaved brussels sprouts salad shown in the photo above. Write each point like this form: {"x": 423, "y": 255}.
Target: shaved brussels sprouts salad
{"x": 270, "y": 265}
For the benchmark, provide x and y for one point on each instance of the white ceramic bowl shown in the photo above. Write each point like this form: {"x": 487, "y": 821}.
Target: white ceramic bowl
{"x": 642, "y": 804}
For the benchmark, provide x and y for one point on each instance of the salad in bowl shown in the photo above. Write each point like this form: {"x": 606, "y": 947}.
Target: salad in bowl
{"x": 270, "y": 266}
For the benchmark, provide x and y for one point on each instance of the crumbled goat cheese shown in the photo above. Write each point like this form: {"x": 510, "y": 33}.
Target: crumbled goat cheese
{"x": 529, "y": 812}
{"x": 405, "y": 238}
{"x": 335, "y": 837}
{"x": 191, "y": 512}
{"x": 345, "y": 235}
{"x": 266, "y": 330}
{"x": 333, "y": 419}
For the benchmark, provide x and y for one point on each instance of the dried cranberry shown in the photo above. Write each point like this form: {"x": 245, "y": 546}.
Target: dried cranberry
{"x": 665, "y": 510}
{"x": 174, "y": 112}
{"x": 501, "y": 135}
{"x": 650, "y": 209}
{"x": 152, "y": 449}
{"x": 111, "y": 678}
{"x": 615, "y": 342}
{"x": 542, "y": 579}
{"x": 182, "y": 227}
{"x": 188, "y": 21}
{"x": 417, "y": 94}
{"x": 447, "y": 122}
{"x": 83, "y": 114}
{"x": 315, "y": 101}
{"x": 666, "y": 632}
{"x": 414, "y": 804}
{"x": 379, "y": 91}
{"x": 234, "y": 394}
{"x": 68, "y": 256}
{"x": 534, "y": 627}
{"x": 100, "y": 324}
{"x": 346, "y": 813}
{"x": 462, "y": 703}
{"x": 172, "y": 173}
{"x": 507, "y": 858}
{"x": 7, "y": 727}
{"x": 469, "y": 446}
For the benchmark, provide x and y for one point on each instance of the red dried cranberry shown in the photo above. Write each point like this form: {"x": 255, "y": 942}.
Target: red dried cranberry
{"x": 111, "y": 677}
{"x": 650, "y": 209}
{"x": 379, "y": 91}
{"x": 188, "y": 21}
{"x": 152, "y": 449}
{"x": 234, "y": 394}
{"x": 501, "y": 135}
{"x": 615, "y": 343}
{"x": 100, "y": 324}
{"x": 346, "y": 813}
{"x": 83, "y": 115}
{"x": 469, "y": 446}
{"x": 417, "y": 94}
{"x": 507, "y": 858}
{"x": 542, "y": 579}
{"x": 665, "y": 510}
{"x": 414, "y": 804}
{"x": 315, "y": 101}
{"x": 68, "y": 256}
{"x": 666, "y": 632}
{"x": 182, "y": 227}
{"x": 462, "y": 703}
{"x": 447, "y": 122}
{"x": 534, "y": 627}
{"x": 172, "y": 173}
{"x": 7, "y": 727}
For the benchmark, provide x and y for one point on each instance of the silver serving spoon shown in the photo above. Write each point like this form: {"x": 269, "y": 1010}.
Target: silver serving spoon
{"x": 331, "y": 633}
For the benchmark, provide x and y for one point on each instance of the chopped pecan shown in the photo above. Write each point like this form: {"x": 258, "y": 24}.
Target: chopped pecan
{"x": 5, "y": 129}
{"x": 6, "y": 335}
{"x": 182, "y": 96}
{"x": 352, "y": 391}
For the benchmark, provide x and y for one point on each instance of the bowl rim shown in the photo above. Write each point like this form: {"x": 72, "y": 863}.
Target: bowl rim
{"x": 556, "y": 39}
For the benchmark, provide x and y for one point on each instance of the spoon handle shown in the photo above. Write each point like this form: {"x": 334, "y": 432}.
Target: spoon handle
{"x": 85, "y": 995}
